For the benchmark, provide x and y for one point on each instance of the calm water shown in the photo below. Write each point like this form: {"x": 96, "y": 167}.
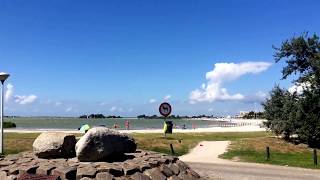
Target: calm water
{"x": 74, "y": 123}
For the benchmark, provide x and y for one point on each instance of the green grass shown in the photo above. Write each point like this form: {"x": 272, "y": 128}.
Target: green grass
{"x": 246, "y": 146}
{"x": 183, "y": 142}
{"x": 282, "y": 153}
{"x": 18, "y": 142}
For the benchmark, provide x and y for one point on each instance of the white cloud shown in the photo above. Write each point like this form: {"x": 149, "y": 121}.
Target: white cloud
{"x": 167, "y": 97}
{"x": 224, "y": 72}
{"x": 152, "y": 101}
{"x": 58, "y": 103}
{"x": 299, "y": 88}
{"x": 9, "y": 92}
{"x": 210, "y": 109}
{"x": 69, "y": 109}
{"x": 114, "y": 108}
{"x": 103, "y": 104}
{"x": 130, "y": 109}
{"x": 261, "y": 94}
{"x": 25, "y": 99}
{"x": 20, "y": 99}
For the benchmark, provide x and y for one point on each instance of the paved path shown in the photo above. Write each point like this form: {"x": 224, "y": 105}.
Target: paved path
{"x": 204, "y": 159}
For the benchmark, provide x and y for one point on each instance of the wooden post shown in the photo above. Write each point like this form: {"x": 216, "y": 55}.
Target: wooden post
{"x": 172, "y": 150}
{"x": 268, "y": 153}
{"x": 315, "y": 157}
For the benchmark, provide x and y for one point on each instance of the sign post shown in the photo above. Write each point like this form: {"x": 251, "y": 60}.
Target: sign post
{"x": 165, "y": 110}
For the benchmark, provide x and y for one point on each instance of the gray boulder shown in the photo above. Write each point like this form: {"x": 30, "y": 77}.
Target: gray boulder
{"x": 101, "y": 143}
{"x": 54, "y": 145}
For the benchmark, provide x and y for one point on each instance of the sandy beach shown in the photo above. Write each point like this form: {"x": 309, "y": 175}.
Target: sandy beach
{"x": 197, "y": 130}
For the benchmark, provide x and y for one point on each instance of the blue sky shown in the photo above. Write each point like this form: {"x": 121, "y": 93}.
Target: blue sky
{"x": 124, "y": 57}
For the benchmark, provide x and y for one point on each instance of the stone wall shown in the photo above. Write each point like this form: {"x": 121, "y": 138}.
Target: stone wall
{"x": 141, "y": 165}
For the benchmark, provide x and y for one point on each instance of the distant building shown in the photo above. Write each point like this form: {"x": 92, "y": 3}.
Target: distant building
{"x": 242, "y": 114}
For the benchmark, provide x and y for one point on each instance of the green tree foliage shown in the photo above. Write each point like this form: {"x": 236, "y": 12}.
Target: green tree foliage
{"x": 292, "y": 113}
{"x": 308, "y": 118}
{"x": 254, "y": 115}
{"x": 9, "y": 125}
{"x": 302, "y": 57}
{"x": 280, "y": 111}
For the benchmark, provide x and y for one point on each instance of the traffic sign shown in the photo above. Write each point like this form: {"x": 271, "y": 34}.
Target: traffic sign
{"x": 165, "y": 109}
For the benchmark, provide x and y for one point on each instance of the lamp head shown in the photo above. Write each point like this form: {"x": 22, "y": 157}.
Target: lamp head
{"x": 3, "y": 76}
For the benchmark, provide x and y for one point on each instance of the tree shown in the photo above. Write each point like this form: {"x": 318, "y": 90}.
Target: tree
{"x": 280, "y": 112}
{"x": 293, "y": 113}
{"x": 302, "y": 57}
{"x": 308, "y": 118}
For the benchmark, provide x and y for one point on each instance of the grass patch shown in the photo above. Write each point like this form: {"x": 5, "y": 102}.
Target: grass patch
{"x": 282, "y": 153}
{"x": 182, "y": 142}
{"x": 18, "y": 142}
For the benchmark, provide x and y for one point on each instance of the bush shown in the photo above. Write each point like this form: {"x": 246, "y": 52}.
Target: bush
{"x": 9, "y": 125}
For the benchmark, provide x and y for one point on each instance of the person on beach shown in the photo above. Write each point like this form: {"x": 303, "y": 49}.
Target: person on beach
{"x": 115, "y": 126}
{"x": 127, "y": 124}
{"x": 193, "y": 126}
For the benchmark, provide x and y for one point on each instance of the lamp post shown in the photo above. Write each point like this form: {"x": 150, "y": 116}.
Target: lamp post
{"x": 3, "y": 77}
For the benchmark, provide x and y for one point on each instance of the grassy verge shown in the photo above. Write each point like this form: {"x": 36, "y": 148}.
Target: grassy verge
{"x": 282, "y": 153}
{"x": 182, "y": 142}
{"x": 18, "y": 142}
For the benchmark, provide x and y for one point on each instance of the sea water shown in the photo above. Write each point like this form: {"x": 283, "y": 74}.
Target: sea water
{"x": 135, "y": 124}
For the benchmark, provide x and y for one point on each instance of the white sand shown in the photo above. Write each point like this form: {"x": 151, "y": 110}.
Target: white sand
{"x": 198, "y": 130}
{"x": 207, "y": 152}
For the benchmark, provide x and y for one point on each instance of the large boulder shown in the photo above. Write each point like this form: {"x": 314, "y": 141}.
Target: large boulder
{"x": 54, "y": 145}
{"x": 101, "y": 143}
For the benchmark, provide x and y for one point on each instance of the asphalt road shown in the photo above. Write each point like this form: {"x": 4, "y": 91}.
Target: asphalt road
{"x": 252, "y": 171}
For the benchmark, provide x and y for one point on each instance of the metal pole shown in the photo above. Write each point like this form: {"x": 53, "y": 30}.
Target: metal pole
{"x": 315, "y": 157}
{"x": 1, "y": 123}
{"x": 165, "y": 134}
{"x": 268, "y": 153}
{"x": 172, "y": 150}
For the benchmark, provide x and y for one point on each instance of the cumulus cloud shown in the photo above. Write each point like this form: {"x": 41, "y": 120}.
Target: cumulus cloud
{"x": 113, "y": 108}
{"x": 152, "y": 101}
{"x": 167, "y": 97}
{"x": 25, "y": 99}
{"x": 225, "y": 72}
{"x": 20, "y": 99}
{"x": 9, "y": 92}
{"x": 298, "y": 88}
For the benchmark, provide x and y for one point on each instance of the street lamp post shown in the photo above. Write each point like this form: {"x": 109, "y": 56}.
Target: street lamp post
{"x": 3, "y": 77}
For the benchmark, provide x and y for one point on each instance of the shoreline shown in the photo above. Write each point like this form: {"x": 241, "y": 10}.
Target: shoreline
{"x": 197, "y": 130}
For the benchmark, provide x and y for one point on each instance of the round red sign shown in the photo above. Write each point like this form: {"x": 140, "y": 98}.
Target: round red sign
{"x": 165, "y": 109}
